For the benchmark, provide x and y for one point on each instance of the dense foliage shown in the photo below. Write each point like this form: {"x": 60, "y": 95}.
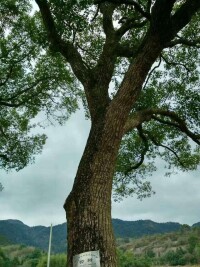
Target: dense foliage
{"x": 127, "y": 259}
{"x": 19, "y": 255}
{"x": 172, "y": 249}
{"x": 34, "y": 78}
{"x": 23, "y": 256}
{"x": 58, "y": 260}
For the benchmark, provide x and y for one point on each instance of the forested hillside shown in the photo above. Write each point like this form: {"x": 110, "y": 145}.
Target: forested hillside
{"x": 172, "y": 249}
{"x": 16, "y": 232}
{"x": 142, "y": 227}
{"x": 38, "y": 236}
{"x": 169, "y": 249}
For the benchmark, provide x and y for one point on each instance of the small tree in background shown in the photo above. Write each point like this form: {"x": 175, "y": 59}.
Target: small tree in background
{"x": 193, "y": 241}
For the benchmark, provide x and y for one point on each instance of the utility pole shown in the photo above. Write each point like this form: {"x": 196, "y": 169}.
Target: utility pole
{"x": 49, "y": 251}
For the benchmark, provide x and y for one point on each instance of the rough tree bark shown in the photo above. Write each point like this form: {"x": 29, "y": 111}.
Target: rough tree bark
{"x": 88, "y": 207}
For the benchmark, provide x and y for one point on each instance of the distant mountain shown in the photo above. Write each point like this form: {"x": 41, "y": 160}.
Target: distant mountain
{"x": 38, "y": 236}
{"x": 142, "y": 227}
{"x": 196, "y": 224}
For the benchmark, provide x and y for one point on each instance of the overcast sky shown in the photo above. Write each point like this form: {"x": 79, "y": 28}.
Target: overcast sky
{"x": 36, "y": 194}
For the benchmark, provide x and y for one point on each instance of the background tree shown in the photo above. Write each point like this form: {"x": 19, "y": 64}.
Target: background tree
{"x": 26, "y": 85}
{"x": 58, "y": 260}
{"x": 136, "y": 68}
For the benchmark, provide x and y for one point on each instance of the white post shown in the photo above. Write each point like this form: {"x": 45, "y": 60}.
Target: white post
{"x": 49, "y": 251}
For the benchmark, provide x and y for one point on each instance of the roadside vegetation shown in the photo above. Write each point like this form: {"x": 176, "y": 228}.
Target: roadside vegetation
{"x": 172, "y": 249}
{"x": 180, "y": 248}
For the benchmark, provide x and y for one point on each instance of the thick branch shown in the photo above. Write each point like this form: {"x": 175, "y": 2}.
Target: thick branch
{"x": 168, "y": 26}
{"x": 162, "y": 9}
{"x": 125, "y": 50}
{"x": 180, "y": 124}
{"x": 183, "y": 41}
{"x": 130, "y": 24}
{"x": 107, "y": 58}
{"x": 161, "y": 19}
{"x": 136, "y": 119}
{"x": 184, "y": 15}
{"x": 67, "y": 49}
{"x": 98, "y": 98}
{"x": 107, "y": 11}
{"x": 175, "y": 121}
{"x": 159, "y": 33}
{"x": 127, "y": 2}
{"x": 134, "y": 78}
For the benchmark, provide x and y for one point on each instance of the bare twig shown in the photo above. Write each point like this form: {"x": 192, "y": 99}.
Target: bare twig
{"x": 96, "y": 13}
{"x": 7, "y": 76}
{"x": 175, "y": 63}
{"x": 151, "y": 72}
{"x": 155, "y": 142}
{"x": 143, "y": 153}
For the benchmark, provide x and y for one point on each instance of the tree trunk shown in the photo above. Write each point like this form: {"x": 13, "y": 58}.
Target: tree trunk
{"x": 88, "y": 207}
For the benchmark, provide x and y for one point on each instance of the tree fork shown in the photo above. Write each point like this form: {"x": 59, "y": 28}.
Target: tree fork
{"x": 88, "y": 208}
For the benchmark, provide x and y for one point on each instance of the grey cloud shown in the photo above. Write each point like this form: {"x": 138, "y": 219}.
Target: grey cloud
{"x": 36, "y": 194}
{"x": 177, "y": 199}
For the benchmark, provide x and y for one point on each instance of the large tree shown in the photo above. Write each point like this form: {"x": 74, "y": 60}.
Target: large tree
{"x": 135, "y": 66}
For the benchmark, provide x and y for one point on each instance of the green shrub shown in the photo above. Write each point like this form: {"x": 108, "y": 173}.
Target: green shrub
{"x": 128, "y": 259}
{"x": 193, "y": 240}
{"x": 150, "y": 253}
{"x": 174, "y": 257}
{"x": 58, "y": 260}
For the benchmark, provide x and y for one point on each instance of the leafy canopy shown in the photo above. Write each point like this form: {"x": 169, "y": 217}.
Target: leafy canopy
{"x": 33, "y": 80}
{"x": 37, "y": 75}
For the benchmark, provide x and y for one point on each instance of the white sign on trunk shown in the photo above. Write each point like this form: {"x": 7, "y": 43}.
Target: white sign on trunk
{"x": 87, "y": 259}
